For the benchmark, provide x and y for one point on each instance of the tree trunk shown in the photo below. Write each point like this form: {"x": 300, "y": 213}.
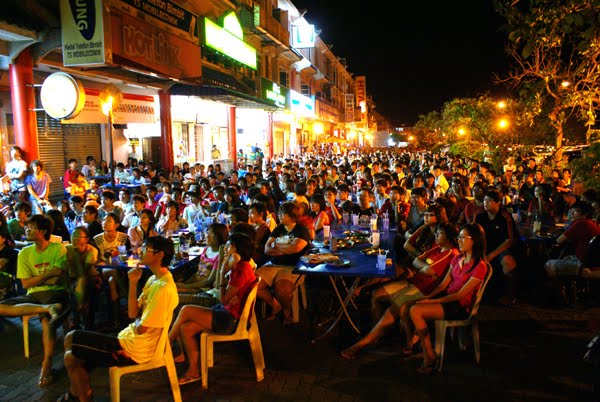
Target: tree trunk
{"x": 559, "y": 147}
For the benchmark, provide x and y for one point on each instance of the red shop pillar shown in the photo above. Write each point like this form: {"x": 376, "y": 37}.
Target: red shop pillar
{"x": 166, "y": 134}
{"x": 232, "y": 131}
{"x": 270, "y": 136}
{"x": 23, "y": 102}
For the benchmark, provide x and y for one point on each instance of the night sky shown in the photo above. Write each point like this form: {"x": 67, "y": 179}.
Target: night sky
{"x": 416, "y": 54}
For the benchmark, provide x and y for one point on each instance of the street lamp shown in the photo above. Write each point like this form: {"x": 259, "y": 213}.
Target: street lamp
{"x": 503, "y": 124}
{"x": 501, "y": 105}
{"x": 110, "y": 98}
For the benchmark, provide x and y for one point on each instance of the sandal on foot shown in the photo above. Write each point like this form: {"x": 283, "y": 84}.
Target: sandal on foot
{"x": 429, "y": 367}
{"x": 45, "y": 380}
{"x": 180, "y": 358}
{"x": 350, "y": 353}
{"x": 188, "y": 380}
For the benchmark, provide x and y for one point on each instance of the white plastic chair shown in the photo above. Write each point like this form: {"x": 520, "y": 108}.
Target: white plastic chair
{"x": 247, "y": 328}
{"x": 299, "y": 292}
{"x": 25, "y": 319}
{"x": 163, "y": 356}
{"x": 442, "y": 325}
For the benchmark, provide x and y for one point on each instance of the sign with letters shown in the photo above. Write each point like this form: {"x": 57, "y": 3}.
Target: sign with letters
{"x": 82, "y": 32}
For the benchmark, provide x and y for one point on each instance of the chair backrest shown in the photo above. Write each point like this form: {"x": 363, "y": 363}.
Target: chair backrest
{"x": 159, "y": 352}
{"x": 248, "y": 307}
{"x": 488, "y": 276}
{"x": 592, "y": 255}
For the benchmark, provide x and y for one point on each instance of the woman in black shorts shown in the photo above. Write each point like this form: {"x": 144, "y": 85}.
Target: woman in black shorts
{"x": 466, "y": 274}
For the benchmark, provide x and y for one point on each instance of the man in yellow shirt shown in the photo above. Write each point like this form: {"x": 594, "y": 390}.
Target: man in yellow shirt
{"x": 152, "y": 310}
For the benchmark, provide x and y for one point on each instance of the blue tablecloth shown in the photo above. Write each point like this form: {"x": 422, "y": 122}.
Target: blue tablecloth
{"x": 361, "y": 265}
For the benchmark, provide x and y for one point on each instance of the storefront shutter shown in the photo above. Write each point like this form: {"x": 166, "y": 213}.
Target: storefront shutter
{"x": 81, "y": 140}
{"x": 52, "y": 152}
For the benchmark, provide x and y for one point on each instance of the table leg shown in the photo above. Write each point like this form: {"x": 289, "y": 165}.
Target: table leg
{"x": 343, "y": 308}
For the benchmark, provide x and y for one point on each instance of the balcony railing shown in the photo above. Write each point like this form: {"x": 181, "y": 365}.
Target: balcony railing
{"x": 265, "y": 23}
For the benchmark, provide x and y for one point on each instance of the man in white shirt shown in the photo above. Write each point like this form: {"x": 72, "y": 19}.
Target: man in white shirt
{"x": 441, "y": 184}
{"x": 152, "y": 311}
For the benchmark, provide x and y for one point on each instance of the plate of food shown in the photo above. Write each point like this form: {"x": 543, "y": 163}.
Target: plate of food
{"x": 341, "y": 263}
{"x": 356, "y": 233}
{"x": 372, "y": 251}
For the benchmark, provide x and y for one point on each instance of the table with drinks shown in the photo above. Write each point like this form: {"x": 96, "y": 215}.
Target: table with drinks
{"x": 357, "y": 248}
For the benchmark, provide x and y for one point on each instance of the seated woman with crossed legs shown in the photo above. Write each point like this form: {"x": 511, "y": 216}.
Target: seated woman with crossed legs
{"x": 465, "y": 276}
{"x": 222, "y": 318}
{"x": 429, "y": 268}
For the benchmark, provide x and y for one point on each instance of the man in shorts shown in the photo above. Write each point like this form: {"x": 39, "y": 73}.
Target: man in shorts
{"x": 152, "y": 310}
{"x": 286, "y": 243}
{"x": 41, "y": 267}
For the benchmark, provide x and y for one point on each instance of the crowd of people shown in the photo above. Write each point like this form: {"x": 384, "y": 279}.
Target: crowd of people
{"x": 457, "y": 221}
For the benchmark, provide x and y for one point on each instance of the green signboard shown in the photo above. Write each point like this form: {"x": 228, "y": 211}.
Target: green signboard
{"x": 228, "y": 41}
{"x": 275, "y": 93}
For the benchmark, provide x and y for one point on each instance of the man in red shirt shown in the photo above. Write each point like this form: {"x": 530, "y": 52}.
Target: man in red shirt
{"x": 70, "y": 176}
{"x": 579, "y": 233}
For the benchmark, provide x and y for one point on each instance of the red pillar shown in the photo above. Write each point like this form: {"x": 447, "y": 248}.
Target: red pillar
{"x": 270, "y": 135}
{"x": 23, "y": 102}
{"x": 166, "y": 135}
{"x": 232, "y": 132}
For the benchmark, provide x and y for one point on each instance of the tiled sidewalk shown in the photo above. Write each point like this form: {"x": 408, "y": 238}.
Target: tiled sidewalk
{"x": 528, "y": 354}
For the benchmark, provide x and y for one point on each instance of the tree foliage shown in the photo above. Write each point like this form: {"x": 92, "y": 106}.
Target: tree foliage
{"x": 555, "y": 47}
{"x": 587, "y": 168}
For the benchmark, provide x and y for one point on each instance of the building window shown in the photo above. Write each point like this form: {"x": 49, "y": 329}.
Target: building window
{"x": 305, "y": 89}
{"x": 283, "y": 78}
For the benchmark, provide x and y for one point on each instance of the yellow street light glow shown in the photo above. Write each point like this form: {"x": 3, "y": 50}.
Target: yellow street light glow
{"x": 501, "y": 105}
{"x": 411, "y": 138}
{"x": 565, "y": 84}
{"x": 318, "y": 128}
{"x": 107, "y": 105}
{"x": 503, "y": 123}
{"x": 462, "y": 131}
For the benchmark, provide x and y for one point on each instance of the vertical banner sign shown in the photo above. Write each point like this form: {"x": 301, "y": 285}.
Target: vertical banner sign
{"x": 82, "y": 32}
{"x": 361, "y": 96}
{"x": 349, "y": 108}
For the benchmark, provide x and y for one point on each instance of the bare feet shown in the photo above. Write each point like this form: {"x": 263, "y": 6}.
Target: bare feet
{"x": 275, "y": 309}
{"x": 351, "y": 352}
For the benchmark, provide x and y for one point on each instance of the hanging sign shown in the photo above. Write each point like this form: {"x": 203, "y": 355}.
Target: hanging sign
{"x": 62, "y": 96}
{"x": 82, "y": 32}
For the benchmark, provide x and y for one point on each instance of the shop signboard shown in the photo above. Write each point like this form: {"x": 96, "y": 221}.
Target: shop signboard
{"x": 82, "y": 29}
{"x": 302, "y": 105}
{"x": 274, "y": 93}
{"x": 163, "y": 14}
{"x": 326, "y": 111}
{"x": 349, "y": 108}
{"x": 229, "y": 40}
{"x": 148, "y": 47}
{"x": 303, "y": 36}
{"x": 133, "y": 109}
{"x": 361, "y": 96}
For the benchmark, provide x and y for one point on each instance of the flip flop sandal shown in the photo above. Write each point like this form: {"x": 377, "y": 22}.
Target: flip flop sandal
{"x": 188, "y": 380}
{"x": 45, "y": 380}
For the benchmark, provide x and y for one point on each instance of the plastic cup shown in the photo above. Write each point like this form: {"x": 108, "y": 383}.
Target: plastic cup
{"x": 326, "y": 231}
{"x": 122, "y": 249}
{"x": 375, "y": 239}
{"x": 373, "y": 224}
{"x": 381, "y": 259}
{"x": 355, "y": 219}
{"x": 346, "y": 218}
{"x": 386, "y": 224}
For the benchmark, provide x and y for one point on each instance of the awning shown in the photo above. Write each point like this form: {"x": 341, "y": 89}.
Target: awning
{"x": 223, "y": 88}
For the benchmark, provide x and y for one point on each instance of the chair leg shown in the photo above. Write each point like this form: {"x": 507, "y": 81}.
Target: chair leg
{"x": 172, "y": 373}
{"x": 257, "y": 352}
{"x": 476, "y": 341}
{"x": 204, "y": 360}
{"x": 295, "y": 306}
{"x": 440, "y": 340}
{"x": 115, "y": 385}
{"x": 25, "y": 320}
{"x": 210, "y": 352}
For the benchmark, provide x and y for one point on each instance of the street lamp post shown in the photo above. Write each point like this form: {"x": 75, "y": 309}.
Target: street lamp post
{"x": 110, "y": 97}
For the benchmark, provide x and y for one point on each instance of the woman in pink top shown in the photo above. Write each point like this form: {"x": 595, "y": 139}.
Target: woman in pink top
{"x": 222, "y": 318}
{"x": 465, "y": 276}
